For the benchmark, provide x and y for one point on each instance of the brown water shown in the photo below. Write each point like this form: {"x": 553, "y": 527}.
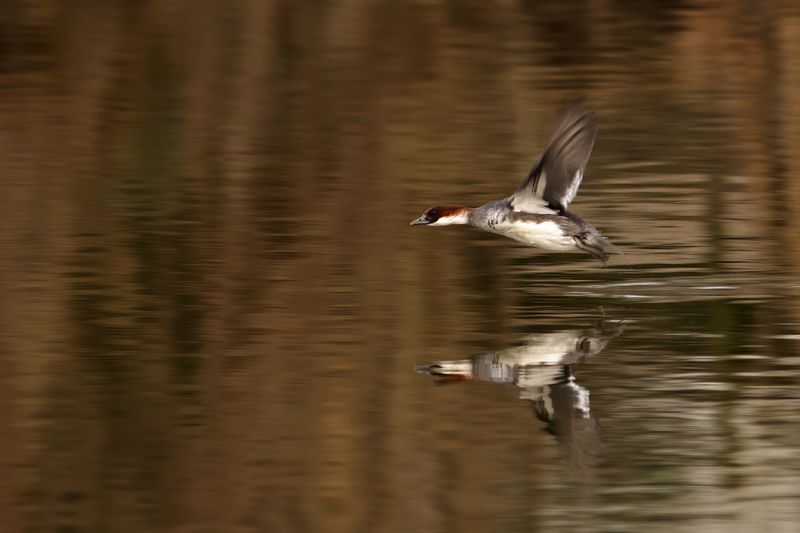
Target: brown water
{"x": 214, "y": 314}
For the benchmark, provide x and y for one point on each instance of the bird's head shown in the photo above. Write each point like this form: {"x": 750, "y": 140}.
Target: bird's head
{"x": 443, "y": 215}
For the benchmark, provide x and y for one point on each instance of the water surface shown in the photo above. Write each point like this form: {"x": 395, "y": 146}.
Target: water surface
{"x": 215, "y": 314}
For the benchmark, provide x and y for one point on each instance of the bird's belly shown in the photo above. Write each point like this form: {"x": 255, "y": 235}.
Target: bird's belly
{"x": 546, "y": 235}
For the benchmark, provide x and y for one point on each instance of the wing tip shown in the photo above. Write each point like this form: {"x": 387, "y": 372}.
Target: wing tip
{"x": 575, "y": 113}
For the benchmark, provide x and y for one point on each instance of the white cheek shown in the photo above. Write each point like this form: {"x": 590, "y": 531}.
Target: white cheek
{"x": 450, "y": 221}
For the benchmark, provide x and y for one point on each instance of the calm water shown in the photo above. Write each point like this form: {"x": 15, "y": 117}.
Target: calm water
{"x": 215, "y": 317}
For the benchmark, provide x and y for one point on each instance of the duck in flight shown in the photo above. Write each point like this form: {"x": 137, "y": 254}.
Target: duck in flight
{"x": 536, "y": 214}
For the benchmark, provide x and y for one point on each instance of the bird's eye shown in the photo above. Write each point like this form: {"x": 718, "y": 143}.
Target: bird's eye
{"x": 433, "y": 213}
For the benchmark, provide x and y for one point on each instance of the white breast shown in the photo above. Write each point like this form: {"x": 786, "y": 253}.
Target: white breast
{"x": 546, "y": 235}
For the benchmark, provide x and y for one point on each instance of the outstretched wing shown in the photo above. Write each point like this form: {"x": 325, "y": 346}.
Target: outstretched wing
{"x": 554, "y": 179}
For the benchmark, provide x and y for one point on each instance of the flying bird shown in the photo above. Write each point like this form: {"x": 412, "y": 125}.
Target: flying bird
{"x": 536, "y": 214}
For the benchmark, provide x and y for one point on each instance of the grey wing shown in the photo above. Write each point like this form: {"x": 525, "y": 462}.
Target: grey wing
{"x": 554, "y": 179}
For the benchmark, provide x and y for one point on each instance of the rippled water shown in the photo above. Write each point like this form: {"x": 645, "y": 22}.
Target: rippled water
{"x": 216, "y": 318}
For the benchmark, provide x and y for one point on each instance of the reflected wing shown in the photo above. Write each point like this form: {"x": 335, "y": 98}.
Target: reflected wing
{"x": 568, "y": 416}
{"x": 554, "y": 179}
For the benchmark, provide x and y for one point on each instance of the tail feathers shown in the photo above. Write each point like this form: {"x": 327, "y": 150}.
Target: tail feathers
{"x": 597, "y": 245}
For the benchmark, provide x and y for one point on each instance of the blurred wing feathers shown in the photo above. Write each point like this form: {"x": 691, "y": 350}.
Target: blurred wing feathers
{"x": 553, "y": 182}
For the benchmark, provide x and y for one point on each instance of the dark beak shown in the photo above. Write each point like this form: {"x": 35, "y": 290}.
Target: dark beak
{"x": 420, "y": 220}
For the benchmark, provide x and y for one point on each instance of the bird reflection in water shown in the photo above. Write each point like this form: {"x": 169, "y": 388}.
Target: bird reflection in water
{"x": 542, "y": 368}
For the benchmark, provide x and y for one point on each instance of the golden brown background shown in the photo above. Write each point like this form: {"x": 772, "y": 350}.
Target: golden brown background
{"x": 212, "y": 304}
